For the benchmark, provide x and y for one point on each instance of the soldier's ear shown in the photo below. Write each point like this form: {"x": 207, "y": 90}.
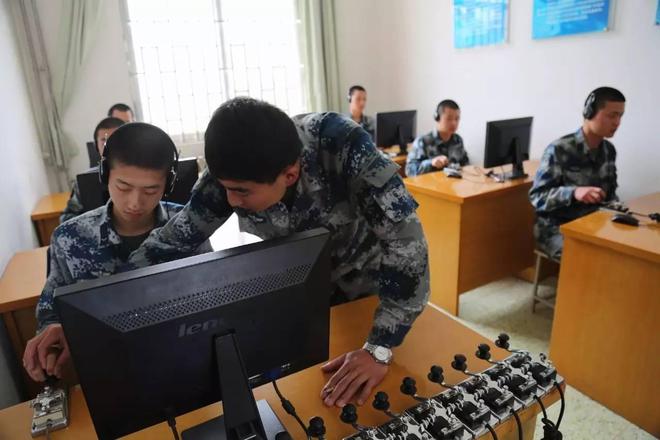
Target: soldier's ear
{"x": 291, "y": 173}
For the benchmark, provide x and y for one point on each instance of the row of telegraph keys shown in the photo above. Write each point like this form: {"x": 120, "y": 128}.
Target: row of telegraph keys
{"x": 316, "y": 428}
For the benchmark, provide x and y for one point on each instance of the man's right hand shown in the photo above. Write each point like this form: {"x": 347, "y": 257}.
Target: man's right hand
{"x": 46, "y": 353}
{"x": 440, "y": 162}
{"x": 589, "y": 194}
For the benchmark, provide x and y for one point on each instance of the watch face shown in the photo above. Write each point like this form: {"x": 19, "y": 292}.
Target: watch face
{"x": 382, "y": 354}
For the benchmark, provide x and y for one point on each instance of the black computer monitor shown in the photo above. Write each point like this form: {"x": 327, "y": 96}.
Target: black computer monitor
{"x": 93, "y": 154}
{"x": 396, "y": 128}
{"x": 158, "y": 342}
{"x": 507, "y": 142}
{"x": 94, "y": 194}
{"x": 186, "y": 176}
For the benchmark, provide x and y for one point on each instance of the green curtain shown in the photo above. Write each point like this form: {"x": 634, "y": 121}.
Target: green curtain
{"x": 79, "y": 24}
{"x": 318, "y": 50}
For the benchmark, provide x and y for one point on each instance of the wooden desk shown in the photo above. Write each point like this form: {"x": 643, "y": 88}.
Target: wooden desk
{"x": 607, "y": 315}
{"x": 435, "y": 338}
{"x": 20, "y": 287}
{"x": 399, "y": 159}
{"x": 478, "y": 230}
{"x": 46, "y": 215}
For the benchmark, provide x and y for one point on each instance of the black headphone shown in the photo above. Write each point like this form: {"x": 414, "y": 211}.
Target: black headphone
{"x": 589, "y": 110}
{"x": 436, "y": 113}
{"x": 104, "y": 171}
{"x": 350, "y": 95}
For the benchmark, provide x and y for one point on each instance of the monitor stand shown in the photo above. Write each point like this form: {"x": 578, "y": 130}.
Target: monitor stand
{"x": 403, "y": 145}
{"x": 243, "y": 418}
{"x": 517, "y": 172}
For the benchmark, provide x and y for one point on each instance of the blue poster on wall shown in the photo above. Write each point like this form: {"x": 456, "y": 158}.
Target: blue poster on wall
{"x": 554, "y": 18}
{"x": 480, "y": 22}
{"x": 657, "y": 14}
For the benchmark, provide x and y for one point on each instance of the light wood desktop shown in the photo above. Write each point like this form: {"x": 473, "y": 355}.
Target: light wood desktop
{"x": 46, "y": 215}
{"x": 434, "y": 339}
{"x": 478, "y": 230}
{"x": 607, "y": 316}
{"x": 20, "y": 287}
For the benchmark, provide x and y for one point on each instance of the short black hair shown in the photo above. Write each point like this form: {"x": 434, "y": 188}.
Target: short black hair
{"x": 121, "y": 107}
{"x": 603, "y": 95}
{"x": 445, "y": 104}
{"x": 141, "y": 145}
{"x": 356, "y": 88}
{"x": 106, "y": 124}
{"x": 251, "y": 140}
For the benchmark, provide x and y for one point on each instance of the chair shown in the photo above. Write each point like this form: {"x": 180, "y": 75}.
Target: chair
{"x": 550, "y": 302}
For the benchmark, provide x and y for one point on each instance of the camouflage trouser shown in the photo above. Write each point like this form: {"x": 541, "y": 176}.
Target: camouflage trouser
{"x": 549, "y": 239}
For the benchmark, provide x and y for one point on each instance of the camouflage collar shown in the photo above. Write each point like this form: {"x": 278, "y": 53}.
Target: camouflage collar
{"x": 108, "y": 236}
{"x": 436, "y": 136}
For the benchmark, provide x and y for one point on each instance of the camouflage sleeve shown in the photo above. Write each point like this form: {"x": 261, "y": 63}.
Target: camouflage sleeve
{"x": 417, "y": 161}
{"x": 74, "y": 206}
{"x": 58, "y": 276}
{"x": 547, "y": 193}
{"x": 403, "y": 278}
{"x": 459, "y": 154}
{"x": 184, "y": 233}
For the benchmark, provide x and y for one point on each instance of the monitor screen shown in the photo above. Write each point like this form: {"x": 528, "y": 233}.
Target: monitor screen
{"x": 393, "y": 128}
{"x": 503, "y": 138}
{"x": 142, "y": 342}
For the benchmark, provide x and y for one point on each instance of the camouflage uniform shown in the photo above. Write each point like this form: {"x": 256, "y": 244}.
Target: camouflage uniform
{"x": 566, "y": 164}
{"x": 348, "y": 187}
{"x": 86, "y": 248}
{"x": 426, "y": 147}
{"x": 74, "y": 206}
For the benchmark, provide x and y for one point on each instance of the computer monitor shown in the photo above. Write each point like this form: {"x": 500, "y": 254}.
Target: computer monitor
{"x": 154, "y": 343}
{"x": 186, "y": 176}
{"x": 507, "y": 142}
{"x": 396, "y": 128}
{"x": 93, "y": 154}
{"x": 94, "y": 194}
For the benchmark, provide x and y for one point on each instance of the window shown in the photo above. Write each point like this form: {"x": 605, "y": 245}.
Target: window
{"x": 188, "y": 57}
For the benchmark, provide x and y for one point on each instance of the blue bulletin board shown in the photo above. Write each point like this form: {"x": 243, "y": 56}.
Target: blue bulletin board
{"x": 657, "y": 14}
{"x": 480, "y": 22}
{"x": 554, "y": 18}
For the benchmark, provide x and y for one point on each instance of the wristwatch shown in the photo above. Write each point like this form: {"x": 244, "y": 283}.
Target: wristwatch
{"x": 382, "y": 355}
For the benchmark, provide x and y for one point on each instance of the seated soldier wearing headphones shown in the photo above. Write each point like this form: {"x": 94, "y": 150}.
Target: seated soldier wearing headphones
{"x": 442, "y": 146}
{"x": 357, "y": 101}
{"x": 138, "y": 165}
{"x": 577, "y": 171}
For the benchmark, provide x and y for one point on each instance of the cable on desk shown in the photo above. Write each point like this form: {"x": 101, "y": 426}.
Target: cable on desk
{"x": 290, "y": 409}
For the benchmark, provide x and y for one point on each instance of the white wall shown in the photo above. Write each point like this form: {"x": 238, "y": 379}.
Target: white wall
{"x": 402, "y": 52}
{"x": 23, "y": 179}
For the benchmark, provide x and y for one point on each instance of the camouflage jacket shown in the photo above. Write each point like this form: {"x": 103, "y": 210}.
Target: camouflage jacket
{"x": 426, "y": 147}
{"x": 566, "y": 164}
{"x": 346, "y": 186}
{"x": 85, "y": 248}
{"x": 368, "y": 123}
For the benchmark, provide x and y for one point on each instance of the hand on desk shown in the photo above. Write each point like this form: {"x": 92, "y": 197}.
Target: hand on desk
{"x": 356, "y": 375}
{"x": 46, "y": 353}
{"x": 440, "y": 162}
{"x": 589, "y": 194}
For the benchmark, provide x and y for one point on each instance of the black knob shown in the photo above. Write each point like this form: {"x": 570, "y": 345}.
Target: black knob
{"x": 435, "y": 375}
{"x": 503, "y": 341}
{"x": 409, "y": 386}
{"x": 316, "y": 427}
{"x": 459, "y": 363}
{"x": 348, "y": 414}
{"x": 381, "y": 401}
{"x": 483, "y": 352}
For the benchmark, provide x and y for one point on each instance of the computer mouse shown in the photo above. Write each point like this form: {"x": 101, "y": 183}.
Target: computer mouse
{"x": 453, "y": 173}
{"x": 625, "y": 219}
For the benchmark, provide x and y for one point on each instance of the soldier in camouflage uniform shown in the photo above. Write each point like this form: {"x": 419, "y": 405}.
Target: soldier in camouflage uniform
{"x": 102, "y": 131}
{"x": 99, "y": 243}
{"x": 577, "y": 172}
{"x": 442, "y": 146}
{"x": 357, "y": 100}
{"x": 319, "y": 170}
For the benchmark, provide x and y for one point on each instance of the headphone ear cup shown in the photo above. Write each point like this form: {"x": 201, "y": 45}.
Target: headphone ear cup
{"x": 348, "y": 98}
{"x": 436, "y": 116}
{"x": 588, "y": 111}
